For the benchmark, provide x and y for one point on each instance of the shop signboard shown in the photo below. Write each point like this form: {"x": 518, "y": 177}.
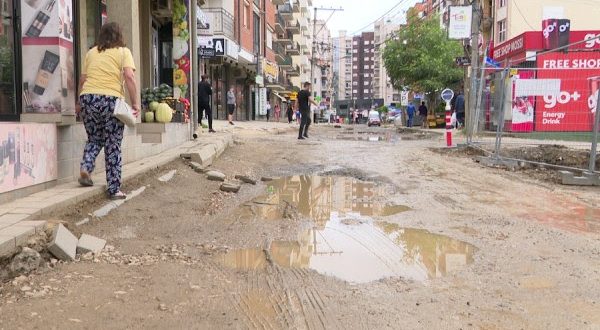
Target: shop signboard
{"x": 181, "y": 49}
{"x": 572, "y": 108}
{"x": 28, "y": 155}
{"x": 459, "y": 24}
{"x": 219, "y": 46}
{"x": 522, "y": 106}
{"x": 47, "y": 44}
{"x": 270, "y": 70}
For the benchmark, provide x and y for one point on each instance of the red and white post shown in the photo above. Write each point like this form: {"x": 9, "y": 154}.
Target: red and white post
{"x": 448, "y": 124}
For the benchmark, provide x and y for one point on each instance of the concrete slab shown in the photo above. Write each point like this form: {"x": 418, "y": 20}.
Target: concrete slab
{"x": 63, "y": 244}
{"x": 215, "y": 176}
{"x": 8, "y": 246}
{"x": 230, "y": 187}
{"x": 11, "y": 218}
{"x": 88, "y": 243}
{"x": 20, "y": 233}
{"x": 39, "y": 226}
{"x": 587, "y": 179}
{"x": 246, "y": 179}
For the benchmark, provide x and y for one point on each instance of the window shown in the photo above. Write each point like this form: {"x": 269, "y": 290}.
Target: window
{"x": 366, "y": 83}
{"x": 355, "y": 67}
{"x": 502, "y": 31}
{"x": 366, "y": 42}
{"x": 355, "y": 83}
{"x": 366, "y": 91}
{"x": 355, "y": 43}
{"x": 269, "y": 39}
{"x": 501, "y": 3}
{"x": 355, "y": 91}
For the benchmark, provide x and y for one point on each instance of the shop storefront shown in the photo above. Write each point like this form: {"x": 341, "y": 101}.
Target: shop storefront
{"x": 547, "y": 91}
{"x": 42, "y": 44}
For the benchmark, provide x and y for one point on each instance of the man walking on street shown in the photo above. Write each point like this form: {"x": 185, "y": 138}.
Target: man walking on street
{"x": 204, "y": 94}
{"x": 410, "y": 112}
{"x": 423, "y": 115}
{"x": 230, "y": 104}
{"x": 459, "y": 108}
{"x": 303, "y": 105}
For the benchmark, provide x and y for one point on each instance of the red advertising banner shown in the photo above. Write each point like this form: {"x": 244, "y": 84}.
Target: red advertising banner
{"x": 572, "y": 109}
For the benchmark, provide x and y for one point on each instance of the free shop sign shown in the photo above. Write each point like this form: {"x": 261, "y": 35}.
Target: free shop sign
{"x": 572, "y": 109}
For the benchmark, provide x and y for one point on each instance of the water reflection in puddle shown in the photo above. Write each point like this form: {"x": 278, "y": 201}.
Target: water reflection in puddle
{"x": 361, "y": 252}
{"x": 315, "y": 197}
{"x": 345, "y": 241}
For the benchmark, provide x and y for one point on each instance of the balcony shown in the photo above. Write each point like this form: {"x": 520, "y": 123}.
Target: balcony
{"x": 221, "y": 22}
{"x": 303, "y": 24}
{"x": 286, "y": 11}
{"x": 279, "y": 2}
{"x": 296, "y": 6}
{"x": 293, "y": 27}
{"x": 294, "y": 71}
{"x": 280, "y": 24}
{"x": 293, "y": 49}
{"x": 284, "y": 62}
{"x": 285, "y": 38}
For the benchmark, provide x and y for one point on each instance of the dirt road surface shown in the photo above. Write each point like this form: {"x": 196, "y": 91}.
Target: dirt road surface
{"x": 358, "y": 229}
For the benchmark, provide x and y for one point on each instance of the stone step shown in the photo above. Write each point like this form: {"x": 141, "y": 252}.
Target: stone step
{"x": 17, "y": 235}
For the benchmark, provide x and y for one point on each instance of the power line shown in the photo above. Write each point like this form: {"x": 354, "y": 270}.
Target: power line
{"x": 380, "y": 17}
{"x": 523, "y": 16}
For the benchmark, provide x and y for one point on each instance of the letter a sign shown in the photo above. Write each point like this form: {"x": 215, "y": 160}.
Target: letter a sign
{"x": 219, "y": 46}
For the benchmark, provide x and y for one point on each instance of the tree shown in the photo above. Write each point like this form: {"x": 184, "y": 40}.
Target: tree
{"x": 422, "y": 57}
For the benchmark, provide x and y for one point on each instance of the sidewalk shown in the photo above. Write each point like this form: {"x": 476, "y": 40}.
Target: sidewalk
{"x": 21, "y": 218}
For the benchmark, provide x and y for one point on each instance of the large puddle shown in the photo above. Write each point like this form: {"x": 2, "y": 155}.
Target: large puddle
{"x": 345, "y": 241}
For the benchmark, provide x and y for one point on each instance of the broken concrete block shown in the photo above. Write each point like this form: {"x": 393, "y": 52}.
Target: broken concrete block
{"x": 245, "y": 179}
{"x": 230, "y": 187}
{"x": 197, "y": 167}
{"x": 88, "y": 243}
{"x": 215, "y": 176}
{"x": 266, "y": 179}
{"x": 186, "y": 156}
{"x": 63, "y": 244}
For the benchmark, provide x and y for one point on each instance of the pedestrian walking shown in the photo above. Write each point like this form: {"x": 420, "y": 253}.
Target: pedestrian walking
{"x": 277, "y": 110}
{"x": 303, "y": 105}
{"x": 231, "y": 102}
{"x": 107, "y": 67}
{"x": 290, "y": 113}
{"x": 204, "y": 95}
{"x": 268, "y": 110}
{"x": 459, "y": 108}
{"x": 410, "y": 113}
{"x": 423, "y": 115}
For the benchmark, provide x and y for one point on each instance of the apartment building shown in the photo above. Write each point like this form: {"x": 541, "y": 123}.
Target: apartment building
{"x": 343, "y": 65}
{"x": 363, "y": 67}
{"x": 382, "y": 86}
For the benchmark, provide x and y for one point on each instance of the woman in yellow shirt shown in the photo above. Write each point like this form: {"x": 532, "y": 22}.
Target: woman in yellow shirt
{"x": 101, "y": 84}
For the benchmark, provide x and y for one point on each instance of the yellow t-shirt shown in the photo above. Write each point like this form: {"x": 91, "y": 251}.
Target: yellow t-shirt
{"x": 103, "y": 71}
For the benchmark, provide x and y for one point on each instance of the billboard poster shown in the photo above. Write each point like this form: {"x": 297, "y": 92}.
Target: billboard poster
{"x": 570, "y": 110}
{"x": 47, "y": 44}
{"x": 459, "y": 24}
{"x": 28, "y": 155}
{"x": 181, "y": 49}
{"x": 522, "y": 108}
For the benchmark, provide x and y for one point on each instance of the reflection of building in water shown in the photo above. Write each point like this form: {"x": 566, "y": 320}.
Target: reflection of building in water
{"x": 438, "y": 254}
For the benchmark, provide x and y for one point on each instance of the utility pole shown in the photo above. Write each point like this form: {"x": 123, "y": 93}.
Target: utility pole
{"x": 314, "y": 39}
{"x": 475, "y": 23}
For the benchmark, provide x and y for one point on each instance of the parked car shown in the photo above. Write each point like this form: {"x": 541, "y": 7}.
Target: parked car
{"x": 374, "y": 119}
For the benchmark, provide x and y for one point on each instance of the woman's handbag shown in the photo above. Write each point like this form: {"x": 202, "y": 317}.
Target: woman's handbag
{"x": 123, "y": 111}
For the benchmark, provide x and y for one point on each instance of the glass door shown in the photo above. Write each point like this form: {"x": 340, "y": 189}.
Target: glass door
{"x": 9, "y": 51}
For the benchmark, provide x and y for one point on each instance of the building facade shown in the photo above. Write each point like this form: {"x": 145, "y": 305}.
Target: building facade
{"x": 343, "y": 58}
{"x": 363, "y": 68}
{"x": 382, "y": 86}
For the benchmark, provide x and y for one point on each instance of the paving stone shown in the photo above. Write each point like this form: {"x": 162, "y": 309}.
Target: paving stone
{"x": 230, "y": 187}
{"x": 7, "y": 245}
{"x": 39, "y": 226}
{"x": 215, "y": 176}
{"x": 88, "y": 243}
{"x": 11, "y": 218}
{"x": 63, "y": 244}
{"x": 20, "y": 233}
{"x": 245, "y": 179}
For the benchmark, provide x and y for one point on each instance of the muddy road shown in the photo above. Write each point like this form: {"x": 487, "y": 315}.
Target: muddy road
{"x": 358, "y": 229}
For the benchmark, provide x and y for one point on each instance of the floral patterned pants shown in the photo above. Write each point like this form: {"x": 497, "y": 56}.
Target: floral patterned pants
{"x": 103, "y": 130}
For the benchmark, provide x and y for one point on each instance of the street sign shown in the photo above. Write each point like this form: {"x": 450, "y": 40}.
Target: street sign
{"x": 462, "y": 61}
{"x": 207, "y": 52}
{"x": 219, "y": 46}
{"x": 447, "y": 95}
{"x": 404, "y": 98}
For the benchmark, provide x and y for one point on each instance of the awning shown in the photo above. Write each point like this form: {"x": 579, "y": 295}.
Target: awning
{"x": 280, "y": 97}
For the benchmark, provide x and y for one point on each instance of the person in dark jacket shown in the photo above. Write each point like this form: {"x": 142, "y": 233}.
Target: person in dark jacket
{"x": 204, "y": 95}
{"x": 423, "y": 114}
{"x": 458, "y": 105}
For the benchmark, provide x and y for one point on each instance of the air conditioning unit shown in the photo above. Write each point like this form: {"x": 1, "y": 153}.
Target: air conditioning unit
{"x": 162, "y": 8}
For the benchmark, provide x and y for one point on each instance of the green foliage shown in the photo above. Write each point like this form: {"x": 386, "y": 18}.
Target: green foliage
{"x": 422, "y": 57}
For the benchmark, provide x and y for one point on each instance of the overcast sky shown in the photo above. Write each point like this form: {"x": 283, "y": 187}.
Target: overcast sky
{"x": 358, "y": 13}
